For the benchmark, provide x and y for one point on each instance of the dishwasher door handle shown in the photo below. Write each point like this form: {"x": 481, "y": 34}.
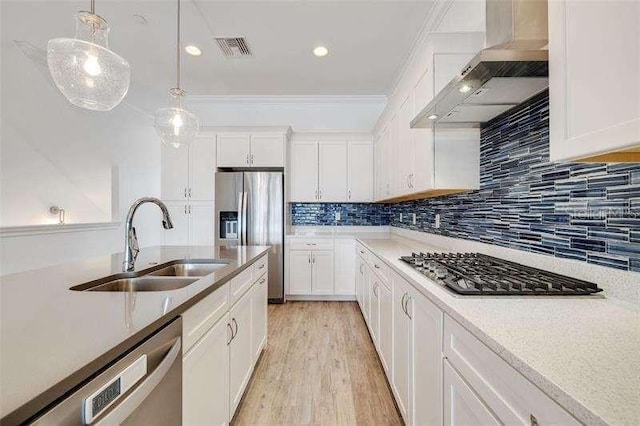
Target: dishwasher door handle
{"x": 128, "y": 405}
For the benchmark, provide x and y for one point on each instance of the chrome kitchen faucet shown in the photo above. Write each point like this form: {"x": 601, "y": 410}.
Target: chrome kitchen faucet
{"x": 131, "y": 248}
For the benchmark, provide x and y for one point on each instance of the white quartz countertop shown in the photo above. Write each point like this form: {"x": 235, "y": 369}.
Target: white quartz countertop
{"x": 51, "y": 336}
{"x": 584, "y": 352}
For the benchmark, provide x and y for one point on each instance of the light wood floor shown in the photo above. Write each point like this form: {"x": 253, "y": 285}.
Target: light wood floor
{"x": 319, "y": 367}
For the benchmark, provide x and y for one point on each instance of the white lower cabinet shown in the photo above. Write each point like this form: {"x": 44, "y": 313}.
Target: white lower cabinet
{"x": 345, "y": 266}
{"x": 259, "y": 317}
{"x": 402, "y": 333}
{"x": 461, "y": 404}
{"x": 205, "y": 378}
{"x": 374, "y": 308}
{"x": 240, "y": 353}
{"x": 310, "y": 272}
{"x": 221, "y": 348}
{"x": 322, "y": 266}
{"x": 385, "y": 339}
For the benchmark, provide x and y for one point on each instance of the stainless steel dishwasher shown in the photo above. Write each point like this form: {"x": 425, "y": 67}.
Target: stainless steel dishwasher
{"x": 144, "y": 387}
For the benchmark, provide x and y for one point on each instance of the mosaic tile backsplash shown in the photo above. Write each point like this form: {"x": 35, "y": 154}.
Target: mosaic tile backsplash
{"x": 589, "y": 212}
{"x": 351, "y": 214}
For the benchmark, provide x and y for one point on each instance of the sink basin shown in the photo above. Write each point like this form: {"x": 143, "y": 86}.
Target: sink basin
{"x": 144, "y": 284}
{"x": 189, "y": 269}
{"x": 167, "y": 276}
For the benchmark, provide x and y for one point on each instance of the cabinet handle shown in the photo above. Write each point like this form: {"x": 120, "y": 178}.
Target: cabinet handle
{"x": 262, "y": 281}
{"x": 361, "y": 269}
{"x": 236, "y": 324}
{"x": 313, "y": 258}
{"x": 375, "y": 265}
{"x": 320, "y": 194}
{"x": 406, "y": 306}
{"x": 247, "y": 158}
{"x": 375, "y": 288}
{"x": 316, "y": 194}
{"x": 404, "y": 296}
{"x": 189, "y": 192}
{"x": 311, "y": 244}
{"x": 349, "y": 194}
{"x": 189, "y": 208}
{"x": 533, "y": 420}
{"x": 309, "y": 258}
{"x": 361, "y": 252}
{"x": 185, "y": 209}
{"x": 185, "y": 193}
{"x": 261, "y": 266}
{"x": 230, "y": 338}
{"x": 252, "y": 157}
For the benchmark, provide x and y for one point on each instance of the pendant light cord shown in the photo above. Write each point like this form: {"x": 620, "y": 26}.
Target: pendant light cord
{"x": 93, "y": 7}
{"x": 177, "y": 49}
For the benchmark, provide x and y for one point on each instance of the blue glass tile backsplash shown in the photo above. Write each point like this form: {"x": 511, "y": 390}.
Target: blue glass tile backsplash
{"x": 589, "y": 212}
{"x": 351, "y": 214}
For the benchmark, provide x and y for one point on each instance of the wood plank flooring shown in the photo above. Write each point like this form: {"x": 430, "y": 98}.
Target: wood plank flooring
{"x": 319, "y": 368}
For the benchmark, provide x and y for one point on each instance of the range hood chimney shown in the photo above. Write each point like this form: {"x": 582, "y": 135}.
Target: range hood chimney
{"x": 511, "y": 69}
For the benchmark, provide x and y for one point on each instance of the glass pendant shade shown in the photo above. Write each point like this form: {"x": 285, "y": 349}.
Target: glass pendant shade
{"x": 176, "y": 125}
{"x": 83, "y": 68}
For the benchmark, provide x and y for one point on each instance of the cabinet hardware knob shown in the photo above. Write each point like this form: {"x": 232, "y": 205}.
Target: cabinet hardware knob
{"x": 376, "y": 266}
{"x": 261, "y": 266}
{"x": 262, "y": 281}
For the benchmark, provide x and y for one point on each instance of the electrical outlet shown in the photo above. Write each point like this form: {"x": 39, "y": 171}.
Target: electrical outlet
{"x": 338, "y": 216}
{"x": 413, "y": 218}
{"x": 400, "y": 217}
{"x": 437, "y": 222}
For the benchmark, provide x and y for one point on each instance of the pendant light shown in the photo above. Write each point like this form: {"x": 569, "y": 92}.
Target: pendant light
{"x": 83, "y": 68}
{"x": 176, "y": 125}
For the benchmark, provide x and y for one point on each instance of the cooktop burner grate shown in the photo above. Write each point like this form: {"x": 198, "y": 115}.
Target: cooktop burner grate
{"x": 480, "y": 274}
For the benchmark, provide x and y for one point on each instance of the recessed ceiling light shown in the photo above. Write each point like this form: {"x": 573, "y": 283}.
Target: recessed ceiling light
{"x": 320, "y": 51}
{"x": 193, "y": 50}
{"x": 432, "y": 117}
{"x": 464, "y": 88}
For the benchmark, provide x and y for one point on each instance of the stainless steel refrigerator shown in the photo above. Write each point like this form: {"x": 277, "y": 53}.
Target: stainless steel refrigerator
{"x": 250, "y": 211}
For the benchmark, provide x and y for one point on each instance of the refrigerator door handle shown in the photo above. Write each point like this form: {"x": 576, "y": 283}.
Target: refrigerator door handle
{"x": 244, "y": 218}
{"x": 240, "y": 224}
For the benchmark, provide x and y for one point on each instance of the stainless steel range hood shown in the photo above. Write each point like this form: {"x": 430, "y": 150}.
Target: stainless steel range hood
{"x": 511, "y": 70}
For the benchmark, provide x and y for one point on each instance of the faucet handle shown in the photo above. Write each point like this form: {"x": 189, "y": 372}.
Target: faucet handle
{"x": 133, "y": 244}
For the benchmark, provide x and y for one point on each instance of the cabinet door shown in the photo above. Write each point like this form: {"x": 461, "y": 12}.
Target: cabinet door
{"x": 205, "y": 378}
{"x": 461, "y": 404}
{"x": 386, "y": 329}
{"x": 175, "y": 173}
{"x": 401, "y": 346}
{"x": 179, "y": 234}
{"x": 299, "y": 272}
{"x": 345, "y": 276}
{"x": 304, "y": 172}
{"x": 233, "y": 149}
{"x": 379, "y": 169}
{"x": 201, "y": 224}
{"x": 426, "y": 361}
{"x": 360, "y": 172}
{"x": 322, "y": 280}
{"x": 374, "y": 321}
{"x": 359, "y": 280}
{"x": 259, "y": 316}
{"x": 593, "y": 77}
{"x": 267, "y": 151}
{"x": 405, "y": 146}
{"x": 240, "y": 353}
{"x": 391, "y": 153}
{"x": 202, "y": 169}
{"x": 332, "y": 171}
{"x": 366, "y": 294}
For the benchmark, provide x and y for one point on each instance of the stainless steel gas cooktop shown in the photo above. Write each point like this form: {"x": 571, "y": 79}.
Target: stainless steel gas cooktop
{"x": 481, "y": 275}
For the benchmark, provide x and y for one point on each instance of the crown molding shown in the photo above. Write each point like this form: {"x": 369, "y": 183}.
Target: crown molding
{"x": 286, "y": 100}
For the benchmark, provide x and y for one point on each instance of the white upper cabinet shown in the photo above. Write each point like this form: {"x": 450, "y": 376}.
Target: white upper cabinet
{"x": 594, "y": 78}
{"x": 360, "y": 169}
{"x": 188, "y": 172}
{"x": 304, "y": 172}
{"x": 405, "y": 145}
{"x": 234, "y": 149}
{"x": 267, "y": 150}
{"x": 251, "y": 149}
{"x": 332, "y": 171}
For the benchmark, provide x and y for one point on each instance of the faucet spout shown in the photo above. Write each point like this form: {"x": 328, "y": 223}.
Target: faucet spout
{"x": 131, "y": 247}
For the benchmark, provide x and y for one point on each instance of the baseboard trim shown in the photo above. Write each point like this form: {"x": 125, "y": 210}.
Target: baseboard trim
{"x": 321, "y": 298}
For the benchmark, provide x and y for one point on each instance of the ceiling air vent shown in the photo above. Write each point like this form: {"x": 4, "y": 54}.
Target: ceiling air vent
{"x": 234, "y": 47}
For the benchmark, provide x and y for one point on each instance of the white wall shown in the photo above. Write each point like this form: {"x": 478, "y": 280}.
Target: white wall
{"x": 52, "y": 153}
{"x": 336, "y": 113}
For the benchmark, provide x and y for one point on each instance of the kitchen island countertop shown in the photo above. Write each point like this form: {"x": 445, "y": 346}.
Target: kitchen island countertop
{"x": 52, "y": 337}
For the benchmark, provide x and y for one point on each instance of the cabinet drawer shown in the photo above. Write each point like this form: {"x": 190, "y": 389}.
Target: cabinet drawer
{"x": 512, "y": 397}
{"x": 201, "y": 316}
{"x": 311, "y": 244}
{"x": 380, "y": 268}
{"x": 240, "y": 284}
{"x": 260, "y": 267}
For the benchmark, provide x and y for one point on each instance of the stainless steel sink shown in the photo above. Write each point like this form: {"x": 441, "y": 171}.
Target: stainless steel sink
{"x": 191, "y": 269}
{"x": 167, "y": 276}
{"x": 144, "y": 284}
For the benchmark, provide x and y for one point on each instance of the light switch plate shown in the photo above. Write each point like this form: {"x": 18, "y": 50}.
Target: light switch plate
{"x": 338, "y": 216}
{"x": 413, "y": 218}
{"x": 437, "y": 221}
{"x": 400, "y": 217}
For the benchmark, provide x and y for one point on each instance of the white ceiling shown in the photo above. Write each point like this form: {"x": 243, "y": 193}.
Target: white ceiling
{"x": 368, "y": 42}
